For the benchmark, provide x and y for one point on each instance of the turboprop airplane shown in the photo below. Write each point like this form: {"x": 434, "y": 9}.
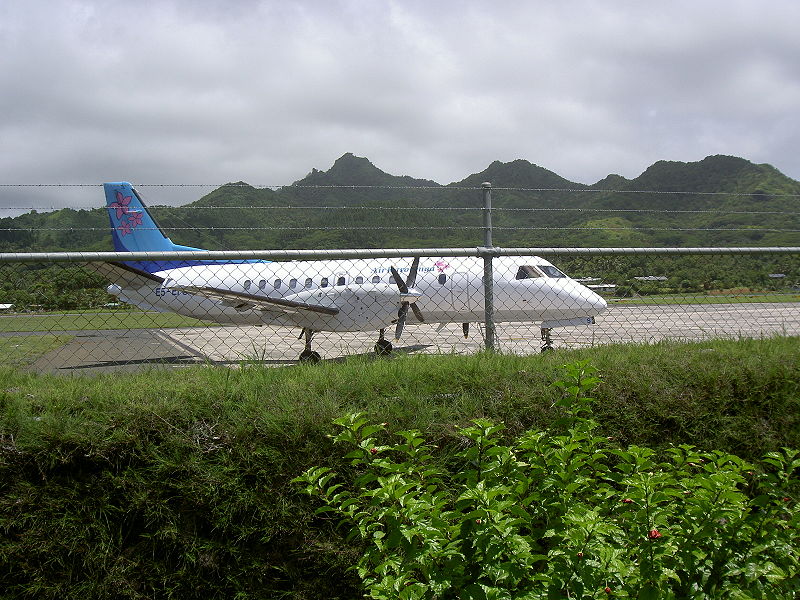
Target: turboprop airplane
{"x": 335, "y": 295}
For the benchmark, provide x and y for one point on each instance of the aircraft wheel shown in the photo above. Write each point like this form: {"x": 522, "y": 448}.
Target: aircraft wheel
{"x": 383, "y": 348}
{"x": 547, "y": 348}
{"x": 310, "y": 356}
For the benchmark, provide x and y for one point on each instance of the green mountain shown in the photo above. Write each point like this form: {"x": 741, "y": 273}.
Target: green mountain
{"x": 518, "y": 174}
{"x": 720, "y": 200}
{"x": 355, "y": 170}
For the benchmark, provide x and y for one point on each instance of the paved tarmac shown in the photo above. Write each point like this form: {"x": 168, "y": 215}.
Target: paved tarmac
{"x": 129, "y": 350}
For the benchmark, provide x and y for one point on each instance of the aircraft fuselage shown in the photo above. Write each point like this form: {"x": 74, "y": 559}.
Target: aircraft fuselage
{"x": 364, "y": 295}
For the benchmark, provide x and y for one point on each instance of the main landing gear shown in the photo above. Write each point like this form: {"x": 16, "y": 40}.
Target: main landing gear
{"x": 383, "y": 347}
{"x": 308, "y": 355}
{"x": 548, "y": 341}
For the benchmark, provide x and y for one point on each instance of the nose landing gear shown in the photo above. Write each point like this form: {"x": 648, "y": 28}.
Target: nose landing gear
{"x": 308, "y": 355}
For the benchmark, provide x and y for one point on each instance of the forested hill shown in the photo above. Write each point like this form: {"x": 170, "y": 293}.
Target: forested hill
{"x": 720, "y": 200}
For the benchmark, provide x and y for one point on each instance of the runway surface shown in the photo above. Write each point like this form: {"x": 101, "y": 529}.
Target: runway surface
{"x": 126, "y": 350}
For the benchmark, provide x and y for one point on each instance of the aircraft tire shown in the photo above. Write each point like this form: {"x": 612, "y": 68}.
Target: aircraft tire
{"x": 383, "y": 348}
{"x": 310, "y": 356}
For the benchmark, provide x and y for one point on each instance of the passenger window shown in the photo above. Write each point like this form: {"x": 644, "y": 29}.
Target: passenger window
{"x": 247, "y": 284}
{"x": 359, "y": 279}
{"x": 292, "y": 284}
{"x": 324, "y": 282}
{"x": 262, "y": 284}
{"x": 309, "y": 282}
{"x": 277, "y": 285}
{"x": 340, "y": 281}
{"x": 376, "y": 279}
{"x": 442, "y": 278}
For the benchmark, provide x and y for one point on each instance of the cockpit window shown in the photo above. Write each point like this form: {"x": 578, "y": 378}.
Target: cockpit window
{"x": 551, "y": 271}
{"x": 528, "y": 272}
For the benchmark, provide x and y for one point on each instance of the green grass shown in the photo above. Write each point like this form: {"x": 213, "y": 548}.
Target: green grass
{"x": 20, "y": 351}
{"x": 89, "y": 320}
{"x": 177, "y": 485}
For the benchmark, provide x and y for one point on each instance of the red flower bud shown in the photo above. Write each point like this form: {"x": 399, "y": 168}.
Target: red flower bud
{"x": 478, "y": 521}
{"x": 654, "y": 534}
{"x": 607, "y": 590}
{"x": 580, "y": 554}
{"x": 627, "y": 501}
{"x": 373, "y": 450}
{"x": 787, "y": 499}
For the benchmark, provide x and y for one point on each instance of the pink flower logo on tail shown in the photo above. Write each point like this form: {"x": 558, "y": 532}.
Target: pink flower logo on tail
{"x": 134, "y": 218}
{"x": 121, "y": 204}
{"x": 124, "y": 228}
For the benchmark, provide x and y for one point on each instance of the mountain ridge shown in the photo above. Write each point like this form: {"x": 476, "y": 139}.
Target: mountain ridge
{"x": 719, "y": 200}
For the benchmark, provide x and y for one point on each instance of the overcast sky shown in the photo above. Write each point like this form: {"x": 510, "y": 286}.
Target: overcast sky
{"x": 211, "y": 91}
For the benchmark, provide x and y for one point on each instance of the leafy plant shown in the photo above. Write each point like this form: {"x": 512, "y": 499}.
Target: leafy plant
{"x": 562, "y": 513}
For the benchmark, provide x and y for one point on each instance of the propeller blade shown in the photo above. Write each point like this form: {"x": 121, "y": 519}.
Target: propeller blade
{"x": 418, "y": 313}
{"x": 404, "y": 286}
{"x": 401, "y": 320}
{"x": 412, "y": 276}
{"x": 399, "y": 281}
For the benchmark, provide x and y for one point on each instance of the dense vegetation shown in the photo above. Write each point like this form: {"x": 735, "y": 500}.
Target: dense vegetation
{"x": 160, "y": 485}
{"x": 562, "y": 512}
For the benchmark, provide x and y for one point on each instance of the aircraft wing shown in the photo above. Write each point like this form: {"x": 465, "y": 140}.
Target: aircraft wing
{"x": 125, "y": 275}
{"x": 243, "y": 301}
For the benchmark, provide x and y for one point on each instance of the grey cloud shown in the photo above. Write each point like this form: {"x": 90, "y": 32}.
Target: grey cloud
{"x": 212, "y": 91}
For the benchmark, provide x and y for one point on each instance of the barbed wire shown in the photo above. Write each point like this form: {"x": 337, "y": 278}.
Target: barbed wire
{"x": 589, "y": 190}
{"x": 436, "y": 208}
{"x": 410, "y": 228}
{"x": 494, "y": 209}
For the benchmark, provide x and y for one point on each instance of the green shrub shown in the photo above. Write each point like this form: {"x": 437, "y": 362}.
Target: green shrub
{"x": 563, "y": 513}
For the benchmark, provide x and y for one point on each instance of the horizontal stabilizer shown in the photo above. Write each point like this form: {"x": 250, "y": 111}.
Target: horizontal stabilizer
{"x": 125, "y": 275}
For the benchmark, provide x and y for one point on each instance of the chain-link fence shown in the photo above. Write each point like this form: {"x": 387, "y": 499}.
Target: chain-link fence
{"x": 86, "y": 313}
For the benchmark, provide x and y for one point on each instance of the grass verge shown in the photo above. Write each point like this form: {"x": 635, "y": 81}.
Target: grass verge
{"x": 88, "y": 320}
{"x": 177, "y": 485}
{"x": 19, "y": 351}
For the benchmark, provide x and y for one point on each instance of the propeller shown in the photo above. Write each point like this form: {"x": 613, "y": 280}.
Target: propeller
{"x": 404, "y": 286}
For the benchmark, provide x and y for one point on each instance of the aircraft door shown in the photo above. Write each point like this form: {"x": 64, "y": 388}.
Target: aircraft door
{"x": 464, "y": 292}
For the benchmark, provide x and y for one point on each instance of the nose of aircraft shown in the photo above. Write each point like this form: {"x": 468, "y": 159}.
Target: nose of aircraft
{"x": 585, "y": 300}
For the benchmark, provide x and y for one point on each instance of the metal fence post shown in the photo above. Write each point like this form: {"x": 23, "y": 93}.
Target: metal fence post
{"x": 488, "y": 273}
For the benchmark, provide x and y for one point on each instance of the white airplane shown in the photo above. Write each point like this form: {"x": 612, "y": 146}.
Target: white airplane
{"x": 335, "y": 295}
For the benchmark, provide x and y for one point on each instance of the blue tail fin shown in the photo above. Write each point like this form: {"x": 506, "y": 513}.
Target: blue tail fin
{"x": 132, "y": 227}
{"x": 134, "y": 230}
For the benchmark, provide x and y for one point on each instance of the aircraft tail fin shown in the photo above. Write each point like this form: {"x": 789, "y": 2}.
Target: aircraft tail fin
{"x": 133, "y": 229}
